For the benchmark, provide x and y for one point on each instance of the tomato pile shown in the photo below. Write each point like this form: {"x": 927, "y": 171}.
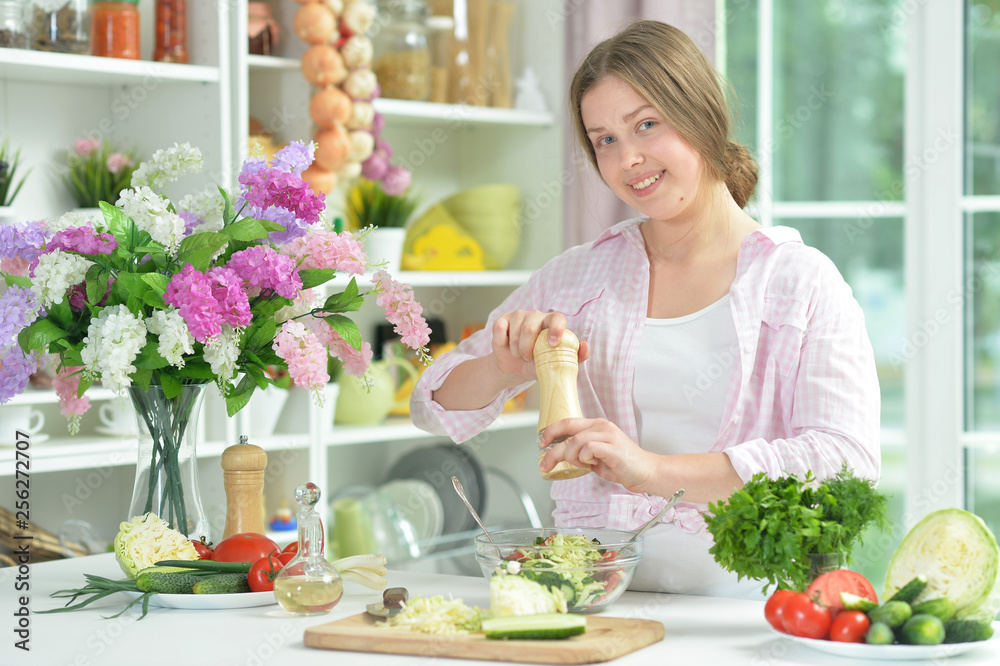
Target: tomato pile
{"x": 265, "y": 555}
{"x": 819, "y": 612}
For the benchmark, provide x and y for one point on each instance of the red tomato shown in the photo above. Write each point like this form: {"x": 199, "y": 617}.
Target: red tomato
{"x": 849, "y": 627}
{"x": 286, "y": 557}
{"x": 263, "y": 572}
{"x": 774, "y": 609}
{"x": 203, "y": 549}
{"x": 293, "y": 547}
{"x": 801, "y": 616}
{"x": 827, "y": 587}
{"x": 245, "y": 547}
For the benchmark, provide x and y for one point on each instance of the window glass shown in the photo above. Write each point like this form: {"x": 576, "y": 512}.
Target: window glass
{"x": 740, "y": 67}
{"x": 838, "y": 100}
{"x": 983, "y": 469}
{"x": 869, "y": 254}
{"x": 982, "y": 126}
{"x": 981, "y": 291}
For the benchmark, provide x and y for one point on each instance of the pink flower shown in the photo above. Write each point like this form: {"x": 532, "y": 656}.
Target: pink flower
{"x": 86, "y": 146}
{"x": 271, "y": 187}
{"x": 83, "y": 240}
{"x": 402, "y": 310}
{"x": 66, "y": 387}
{"x": 263, "y": 270}
{"x": 118, "y": 161}
{"x": 396, "y": 181}
{"x": 190, "y": 291}
{"x": 327, "y": 249}
{"x": 233, "y": 305}
{"x": 305, "y": 355}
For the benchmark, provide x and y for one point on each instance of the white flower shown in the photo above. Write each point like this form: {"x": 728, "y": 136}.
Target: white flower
{"x": 222, "y": 351}
{"x": 74, "y": 218}
{"x": 56, "y": 272}
{"x": 303, "y": 303}
{"x": 167, "y": 165}
{"x": 207, "y": 205}
{"x": 151, "y": 213}
{"x": 114, "y": 339}
{"x": 175, "y": 339}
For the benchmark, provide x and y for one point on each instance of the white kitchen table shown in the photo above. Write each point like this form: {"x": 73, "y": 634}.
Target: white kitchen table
{"x": 699, "y": 630}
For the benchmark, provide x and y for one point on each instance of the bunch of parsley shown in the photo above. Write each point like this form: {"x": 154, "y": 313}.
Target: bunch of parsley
{"x": 768, "y": 529}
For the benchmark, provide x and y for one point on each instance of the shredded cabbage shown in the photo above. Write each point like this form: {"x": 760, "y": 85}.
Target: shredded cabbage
{"x": 145, "y": 540}
{"x": 436, "y": 615}
{"x": 959, "y": 555}
{"x": 513, "y": 595}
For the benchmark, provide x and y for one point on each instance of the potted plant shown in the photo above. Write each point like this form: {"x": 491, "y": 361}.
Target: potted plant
{"x": 774, "y": 529}
{"x": 10, "y": 185}
{"x": 369, "y": 205}
{"x": 96, "y": 171}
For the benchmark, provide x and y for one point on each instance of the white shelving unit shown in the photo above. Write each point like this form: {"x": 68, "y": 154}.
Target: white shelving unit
{"x": 146, "y": 105}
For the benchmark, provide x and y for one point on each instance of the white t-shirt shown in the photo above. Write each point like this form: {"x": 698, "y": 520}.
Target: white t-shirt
{"x": 679, "y": 392}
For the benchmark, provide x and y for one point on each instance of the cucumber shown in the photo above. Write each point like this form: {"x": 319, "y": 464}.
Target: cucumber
{"x": 879, "y": 634}
{"x": 209, "y": 565}
{"x": 855, "y": 602}
{"x": 546, "y": 626}
{"x": 967, "y": 631}
{"x": 941, "y": 608}
{"x": 225, "y": 583}
{"x": 910, "y": 591}
{"x": 892, "y": 613}
{"x": 167, "y": 580}
{"x": 922, "y": 629}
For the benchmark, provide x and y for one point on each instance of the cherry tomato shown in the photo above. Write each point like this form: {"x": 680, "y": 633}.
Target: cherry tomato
{"x": 774, "y": 609}
{"x": 203, "y": 549}
{"x": 286, "y": 557}
{"x": 849, "y": 627}
{"x": 263, "y": 572}
{"x": 801, "y": 616}
{"x": 245, "y": 547}
{"x": 827, "y": 588}
{"x": 293, "y": 547}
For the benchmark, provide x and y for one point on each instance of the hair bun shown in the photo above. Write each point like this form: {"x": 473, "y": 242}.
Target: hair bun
{"x": 741, "y": 172}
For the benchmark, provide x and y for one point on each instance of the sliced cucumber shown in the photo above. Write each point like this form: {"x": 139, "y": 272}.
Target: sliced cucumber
{"x": 911, "y": 590}
{"x": 855, "y": 602}
{"x": 547, "y": 626}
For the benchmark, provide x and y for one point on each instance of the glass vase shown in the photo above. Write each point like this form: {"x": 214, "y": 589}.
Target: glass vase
{"x": 166, "y": 471}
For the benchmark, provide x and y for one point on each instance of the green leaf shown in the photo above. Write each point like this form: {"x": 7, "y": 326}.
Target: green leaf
{"x": 197, "y": 249}
{"x": 249, "y": 229}
{"x": 85, "y": 383}
{"x": 172, "y": 386}
{"x": 97, "y": 283}
{"x": 142, "y": 377}
{"x": 239, "y": 396}
{"x": 258, "y": 376}
{"x": 196, "y": 370}
{"x": 263, "y": 334}
{"x": 40, "y": 334}
{"x": 18, "y": 280}
{"x": 149, "y": 356}
{"x": 313, "y": 277}
{"x": 346, "y": 328}
{"x": 348, "y": 300}
{"x": 228, "y": 214}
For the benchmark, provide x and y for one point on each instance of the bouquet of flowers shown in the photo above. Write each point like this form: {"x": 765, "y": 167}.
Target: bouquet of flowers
{"x": 95, "y": 172}
{"x": 211, "y": 289}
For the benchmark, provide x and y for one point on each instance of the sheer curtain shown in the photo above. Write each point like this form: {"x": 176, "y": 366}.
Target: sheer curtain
{"x": 590, "y": 206}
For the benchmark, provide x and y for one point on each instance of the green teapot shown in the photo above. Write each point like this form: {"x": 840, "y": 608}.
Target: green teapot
{"x": 361, "y": 405}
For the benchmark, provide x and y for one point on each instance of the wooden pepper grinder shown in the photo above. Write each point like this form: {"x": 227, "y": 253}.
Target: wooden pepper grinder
{"x": 243, "y": 475}
{"x": 556, "y": 368}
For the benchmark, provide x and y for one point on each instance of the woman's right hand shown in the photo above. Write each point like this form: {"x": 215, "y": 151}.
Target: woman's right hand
{"x": 514, "y": 336}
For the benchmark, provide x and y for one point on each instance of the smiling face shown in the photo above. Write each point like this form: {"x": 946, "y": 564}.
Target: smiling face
{"x": 640, "y": 155}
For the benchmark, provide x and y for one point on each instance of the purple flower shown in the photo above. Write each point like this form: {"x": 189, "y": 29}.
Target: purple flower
{"x": 262, "y": 269}
{"x": 396, "y": 181}
{"x": 15, "y": 368}
{"x": 252, "y": 165}
{"x": 191, "y": 221}
{"x": 83, "y": 240}
{"x": 18, "y": 308}
{"x": 22, "y": 240}
{"x": 295, "y": 157}
{"x": 272, "y": 188}
{"x": 294, "y": 228}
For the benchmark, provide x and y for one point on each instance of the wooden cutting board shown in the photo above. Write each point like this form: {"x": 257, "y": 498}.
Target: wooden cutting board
{"x": 606, "y": 638}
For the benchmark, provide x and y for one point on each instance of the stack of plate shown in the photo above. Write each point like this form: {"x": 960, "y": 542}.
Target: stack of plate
{"x": 433, "y": 467}
{"x": 418, "y": 503}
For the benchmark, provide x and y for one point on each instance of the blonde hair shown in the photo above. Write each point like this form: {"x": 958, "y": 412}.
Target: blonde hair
{"x": 668, "y": 69}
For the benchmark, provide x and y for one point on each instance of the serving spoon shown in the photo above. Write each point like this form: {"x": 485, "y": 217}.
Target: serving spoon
{"x": 674, "y": 499}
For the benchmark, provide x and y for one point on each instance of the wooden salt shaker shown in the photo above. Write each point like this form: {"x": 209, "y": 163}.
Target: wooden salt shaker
{"x": 556, "y": 368}
{"x": 243, "y": 475}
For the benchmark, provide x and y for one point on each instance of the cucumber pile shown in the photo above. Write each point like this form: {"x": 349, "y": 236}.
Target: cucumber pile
{"x": 900, "y": 621}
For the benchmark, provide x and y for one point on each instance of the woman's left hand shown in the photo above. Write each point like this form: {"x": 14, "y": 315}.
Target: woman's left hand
{"x": 600, "y": 445}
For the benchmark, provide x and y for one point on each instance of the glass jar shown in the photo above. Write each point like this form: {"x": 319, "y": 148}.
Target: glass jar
{"x": 62, "y": 26}
{"x": 114, "y": 29}
{"x": 402, "y": 59}
{"x": 171, "y": 31}
{"x": 440, "y": 32}
{"x": 13, "y": 30}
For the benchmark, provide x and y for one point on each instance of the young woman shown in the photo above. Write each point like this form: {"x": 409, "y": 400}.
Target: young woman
{"x": 713, "y": 348}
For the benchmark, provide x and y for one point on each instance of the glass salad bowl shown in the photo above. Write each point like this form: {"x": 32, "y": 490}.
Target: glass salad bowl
{"x": 590, "y": 566}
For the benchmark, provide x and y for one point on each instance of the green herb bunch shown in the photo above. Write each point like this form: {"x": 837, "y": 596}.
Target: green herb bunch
{"x": 9, "y": 161}
{"x": 97, "y": 172}
{"x": 369, "y": 205}
{"x": 768, "y": 529}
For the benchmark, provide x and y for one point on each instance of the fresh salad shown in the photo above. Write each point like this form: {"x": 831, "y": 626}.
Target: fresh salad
{"x": 571, "y": 564}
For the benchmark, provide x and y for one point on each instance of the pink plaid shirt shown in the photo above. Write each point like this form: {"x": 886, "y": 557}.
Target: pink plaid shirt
{"x": 805, "y": 395}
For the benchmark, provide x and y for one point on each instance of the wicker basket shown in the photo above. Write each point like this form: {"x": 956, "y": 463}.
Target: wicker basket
{"x": 43, "y": 545}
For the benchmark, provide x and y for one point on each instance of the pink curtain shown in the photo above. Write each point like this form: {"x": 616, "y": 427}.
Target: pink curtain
{"x": 589, "y": 205}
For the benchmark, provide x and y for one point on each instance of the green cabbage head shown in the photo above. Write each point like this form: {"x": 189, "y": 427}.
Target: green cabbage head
{"x": 145, "y": 540}
{"x": 515, "y": 595}
{"x": 958, "y": 553}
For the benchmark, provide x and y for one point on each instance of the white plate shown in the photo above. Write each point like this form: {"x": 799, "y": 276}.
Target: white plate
{"x": 419, "y": 503}
{"x": 209, "y": 601}
{"x": 113, "y": 432}
{"x": 37, "y": 438}
{"x": 884, "y": 652}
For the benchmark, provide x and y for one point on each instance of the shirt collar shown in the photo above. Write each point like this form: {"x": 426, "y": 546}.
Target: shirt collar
{"x": 630, "y": 229}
